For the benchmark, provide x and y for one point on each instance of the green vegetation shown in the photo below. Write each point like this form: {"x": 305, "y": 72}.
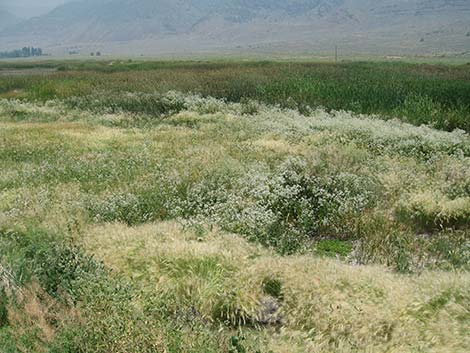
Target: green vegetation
{"x": 137, "y": 218}
{"x": 437, "y": 95}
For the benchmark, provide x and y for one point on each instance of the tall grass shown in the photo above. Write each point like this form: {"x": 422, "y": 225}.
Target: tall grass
{"x": 420, "y": 94}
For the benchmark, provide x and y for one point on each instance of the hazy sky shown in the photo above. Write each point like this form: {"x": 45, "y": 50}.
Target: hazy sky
{"x": 30, "y": 8}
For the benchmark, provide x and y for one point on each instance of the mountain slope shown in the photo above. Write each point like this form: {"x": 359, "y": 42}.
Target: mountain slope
{"x": 361, "y": 24}
{"x": 7, "y": 19}
{"x": 134, "y": 19}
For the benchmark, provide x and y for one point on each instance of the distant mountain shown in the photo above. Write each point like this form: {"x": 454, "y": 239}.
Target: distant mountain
{"x": 275, "y": 25}
{"x": 135, "y": 19}
{"x": 7, "y": 19}
{"x": 30, "y": 8}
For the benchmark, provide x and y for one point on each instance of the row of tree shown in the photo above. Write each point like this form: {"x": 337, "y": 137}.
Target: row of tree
{"x": 26, "y": 52}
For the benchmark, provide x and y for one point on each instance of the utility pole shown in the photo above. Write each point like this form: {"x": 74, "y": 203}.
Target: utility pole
{"x": 336, "y": 53}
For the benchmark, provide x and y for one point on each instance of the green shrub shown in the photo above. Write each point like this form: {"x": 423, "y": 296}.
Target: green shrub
{"x": 319, "y": 204}
{"x": 57, "y": 264}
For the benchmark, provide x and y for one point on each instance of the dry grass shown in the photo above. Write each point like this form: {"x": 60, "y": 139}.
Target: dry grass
{"x": 329, "y": 305}
{"x": 34, "y": 312}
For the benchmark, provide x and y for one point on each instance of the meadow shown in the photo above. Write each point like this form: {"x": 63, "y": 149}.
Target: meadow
{"x": 431, "y": 94}
{"x": 235, "y": 207}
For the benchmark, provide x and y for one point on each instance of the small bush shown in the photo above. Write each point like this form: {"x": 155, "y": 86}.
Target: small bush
{"x": 57, "y": 264}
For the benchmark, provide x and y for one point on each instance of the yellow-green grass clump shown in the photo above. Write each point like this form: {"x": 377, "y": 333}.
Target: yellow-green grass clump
{"x": 323, "y": 305}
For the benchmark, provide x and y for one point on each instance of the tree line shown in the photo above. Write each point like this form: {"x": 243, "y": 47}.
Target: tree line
{"x": 25, "y": 52}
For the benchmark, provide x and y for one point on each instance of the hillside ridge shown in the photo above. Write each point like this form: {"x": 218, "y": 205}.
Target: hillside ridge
{"x": 417, "y": 25}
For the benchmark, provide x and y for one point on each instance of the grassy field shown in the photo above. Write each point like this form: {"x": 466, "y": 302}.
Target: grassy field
{"x": 234, "y": 207}
{"x": 437, "y": 95}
